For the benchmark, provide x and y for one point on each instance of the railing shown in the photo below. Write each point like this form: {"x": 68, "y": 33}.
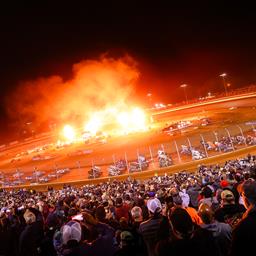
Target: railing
{"x": 239, "y": 91}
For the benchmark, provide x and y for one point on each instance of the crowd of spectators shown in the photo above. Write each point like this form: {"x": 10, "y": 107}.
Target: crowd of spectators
{"x": 208, "y": 212}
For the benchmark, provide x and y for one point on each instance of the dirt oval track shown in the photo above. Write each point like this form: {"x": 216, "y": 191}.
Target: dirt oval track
{"x": 232, "y": 115}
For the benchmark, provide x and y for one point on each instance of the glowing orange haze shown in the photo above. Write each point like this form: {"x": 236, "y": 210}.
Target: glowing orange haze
{"x": 96, "y": 85}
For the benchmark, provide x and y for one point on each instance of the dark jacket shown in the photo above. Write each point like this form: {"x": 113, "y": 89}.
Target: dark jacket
{"x": 128, "y": 251}
{"x": 244, "y": 236}
{"x": 149, "y": 231}
{"x": 230, "y": 213}
{"x": 30, "y": 239}
{"x": 200, "y": 244}
{"x": 73, "y": 249}
{"x": 103, "y": 244}
{"x": 7, "y": 244}
{"x": 222, "y": 235}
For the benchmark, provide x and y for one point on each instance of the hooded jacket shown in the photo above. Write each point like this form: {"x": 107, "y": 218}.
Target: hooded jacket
{"x": 222, "y": 235}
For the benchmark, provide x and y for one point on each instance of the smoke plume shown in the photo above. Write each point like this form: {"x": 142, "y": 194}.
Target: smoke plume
{"x": 95, "y": 85}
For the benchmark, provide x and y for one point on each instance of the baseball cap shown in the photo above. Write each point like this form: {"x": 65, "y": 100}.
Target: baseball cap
{"x": 126, "y": 236}
{"x": 227, "y": 196}
{"x": 71, "y": 231}
{"x": 154, "y": 205}
{"x": 224, "y": 183}
{"x": 151, "y": 194}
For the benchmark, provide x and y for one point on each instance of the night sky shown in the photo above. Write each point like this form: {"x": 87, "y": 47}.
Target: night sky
{"x": 173, "y": 44}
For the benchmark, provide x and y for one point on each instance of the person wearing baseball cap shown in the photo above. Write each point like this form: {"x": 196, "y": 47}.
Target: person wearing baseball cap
{"x": 227, "y": 196}
{"x": 128, "y": 244}
{"x": 154, "y": 206}
{"x": 229, "y": 212}
{"x": 244, "y": 234}
{"x": 149, "y": 229}
{"x": 31, "y": 236}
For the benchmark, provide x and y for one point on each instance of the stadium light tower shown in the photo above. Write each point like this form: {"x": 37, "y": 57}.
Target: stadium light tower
{"x": 184, "y": 86}
{"x": 224, "y": 82}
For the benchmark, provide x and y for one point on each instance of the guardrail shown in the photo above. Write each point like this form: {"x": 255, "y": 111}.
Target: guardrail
{"x": 191, "y": 166}
{"x": 172, "y": 147}
{"x": 236, "y": 92}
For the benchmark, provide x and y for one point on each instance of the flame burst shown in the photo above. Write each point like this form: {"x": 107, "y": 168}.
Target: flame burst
{"x": 69, "y": 133}
{"x": 110, "y": 121}
{"x": 114, "y": 120}
{"x": 98, "y": 95}
{"x": 94, "y": 125}
{"x": 134, "y": 120}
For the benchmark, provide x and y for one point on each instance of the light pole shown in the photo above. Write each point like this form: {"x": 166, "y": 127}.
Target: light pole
{"x": 184, "y": 86}
{"x": 224, "y": 82}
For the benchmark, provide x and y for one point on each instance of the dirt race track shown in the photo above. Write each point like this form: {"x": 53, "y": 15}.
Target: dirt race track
{"x": 189, "y": 166}
{"x": 232, "y": 115}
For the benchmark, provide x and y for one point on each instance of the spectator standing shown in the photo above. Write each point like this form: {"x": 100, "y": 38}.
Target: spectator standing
{"x": 220, "y": 231}
{"x": 186, "y": 238}
{"x": 229, "y": 212}
{"x": 244, "y": 234}
{"x": 149, "y": 229}
{"x": 31, "y": 236}
{"x": 121, "y": 209}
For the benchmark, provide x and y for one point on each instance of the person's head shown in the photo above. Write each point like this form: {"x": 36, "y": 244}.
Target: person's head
{"x": 71, "y": 232}
{"x": 168, "y": 201}
{"x": 123, "y": 223}
{"x": 127, "y": 239}
{"x": 29, "y": 217}
{"x": 100, "y": 213}
{"x": 206, "y": 213}
{"x": 127, "y": 197}
{"x": 248, "y": 192}
{"x": 72, "y": 212}
{"x": 181, "y": 223}
{"x": 151, "y": 194}
{"x": 4, "y": 222}
{"x": 174, "y": 191}
{"x": 154, "y": 206}
{"x": 119, "y": 202}
{"x": 136, "y": 213}
{"x": 177, "y": 200}
{"x": 207, "y": 192}
{"x": 227, "y": 197}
